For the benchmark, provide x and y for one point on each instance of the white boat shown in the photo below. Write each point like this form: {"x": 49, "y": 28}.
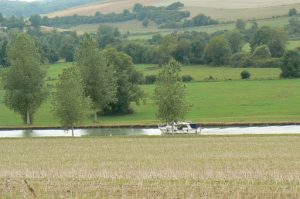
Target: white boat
{"x": 180, "y": 128}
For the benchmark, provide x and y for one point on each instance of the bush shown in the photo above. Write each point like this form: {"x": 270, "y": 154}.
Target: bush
{"x": 187, "y": 78}
{"x": 293, "y": 12}
{"x": 267, "y": 63}
{"x": 241, "y": 59}
{"x": 245, "y": 74}
{"x": 262, "y": 51}
{"x": 291, "y": 64}
{"x": 150, "y": 79}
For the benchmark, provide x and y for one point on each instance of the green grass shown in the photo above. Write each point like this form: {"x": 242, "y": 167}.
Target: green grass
{"x": 257, "y": 100}
{"x": 202, "y": 72}
{"x": 157, "y": 167}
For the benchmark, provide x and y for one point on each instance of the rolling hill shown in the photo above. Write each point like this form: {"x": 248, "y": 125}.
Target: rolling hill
{"x": 219, "y": 9}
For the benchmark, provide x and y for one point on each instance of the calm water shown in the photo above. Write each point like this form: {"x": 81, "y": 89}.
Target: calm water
{"x": 293, "y": 129}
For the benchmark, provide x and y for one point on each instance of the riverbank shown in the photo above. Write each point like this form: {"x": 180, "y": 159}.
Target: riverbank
{"x": 139, "y": 167}
{"x": 147, "y": 126}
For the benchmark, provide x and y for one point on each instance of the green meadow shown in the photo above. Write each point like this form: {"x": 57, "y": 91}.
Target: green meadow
{"x": 224, "y": 99}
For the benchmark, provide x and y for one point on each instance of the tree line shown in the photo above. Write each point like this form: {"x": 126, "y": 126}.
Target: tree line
{"x": 101, "y": 80}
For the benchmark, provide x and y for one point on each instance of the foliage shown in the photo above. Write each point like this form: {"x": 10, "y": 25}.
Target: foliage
{"x": 200, "y": 20}
{"x": 291, "y": 64}
{"x": 128, "y": 90}
{"x": 294, "y": 27}
{"x": 261, "y": 52}
{"x": 274, "y": 38}
{"x": 3, "y": 52}
{"x": 293, "y": 12}
{"x": 98, "y": 75}
{"x": 70, "y": 104}
{"x": 240, "y": 25}
{"x": 24, "y": 81}
{"x": 170, "y": 94}
{"x": 107, "y": 35}
{"x": 150, "y": 79}
{"x": 245, "y": 74}
{"x": 35, "y": 20}
{"x": 187, "y": 78}
{"x": 218, "y": 51}
{"x": 236, "y": 40}
{"x": 241, "y": 59}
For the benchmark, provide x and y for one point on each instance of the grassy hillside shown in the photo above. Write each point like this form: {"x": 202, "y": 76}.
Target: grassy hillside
{"x": 220, "y": 101}
{"x": 156, "y": 167}
{"x": 219, "y": 9}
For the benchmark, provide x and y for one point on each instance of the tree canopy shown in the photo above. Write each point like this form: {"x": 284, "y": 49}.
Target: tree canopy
{"x": 170, "y": 94}
{"x": 24, "y": 80}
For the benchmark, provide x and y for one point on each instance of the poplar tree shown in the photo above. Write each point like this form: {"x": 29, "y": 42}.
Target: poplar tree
{"x": 170, "y": 94}
{"x": 70, "y": 104}
{"x": 24, "y": 80}
{"x": 98, "y": 76}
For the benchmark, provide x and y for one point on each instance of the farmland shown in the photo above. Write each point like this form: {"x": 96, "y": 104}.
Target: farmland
{"x": 160, "y": 167}
{"x": 223, "y": 10}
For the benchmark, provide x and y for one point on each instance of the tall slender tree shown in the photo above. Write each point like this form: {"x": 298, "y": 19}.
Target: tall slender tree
{"x": 70, "y": 104}
{"x": 98, "y": 76}
{"x": 24, "y": 80}
{"x": 170, "y": 94}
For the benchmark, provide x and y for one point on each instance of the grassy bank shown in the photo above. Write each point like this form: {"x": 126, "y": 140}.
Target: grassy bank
{"x": 217, "y": 101}
{"x": 172, "y": 167}
{"x": 225, "y": 101}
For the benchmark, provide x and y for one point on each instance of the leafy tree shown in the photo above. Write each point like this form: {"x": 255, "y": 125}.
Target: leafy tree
{"x": 67, "y": 52}
{"x": 182, "y": 52}
{"x": 24, "y": 81}
{"x": 166, "y": 49}
{"x": 274, "y": 38}
{"x": 293, "y": 12}
{"x": 128, "y": 90}
{"x": 107, "y": 35}
{"x": 236, "y": 40}
{"x": 170, "y": 94}
{"x": 218, "y": 51}
{"x": 146, "y": 22}
{"x": 35, "y": 20}
{"x": 70, "y": 104}
{"x": 3, "y": 53}
{"x": 291, "y": 64}
{"x": 98, "y": 75}
{"x": 294, "y": 27}
{"x": 240, "y": 25}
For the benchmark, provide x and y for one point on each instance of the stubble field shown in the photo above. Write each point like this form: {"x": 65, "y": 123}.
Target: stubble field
{"x": 157, "y": 167}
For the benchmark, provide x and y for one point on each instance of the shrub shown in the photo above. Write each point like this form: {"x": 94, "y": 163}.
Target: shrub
{"x": 187, "y": 78}
{"x": 293, "y": 12}
{"x": 240, "y": 59}
{"x": 150, "y": 79}
{"x": 291, "y": 64}
{"x": 262, "y": 51}
{"x": 245, "y": 74}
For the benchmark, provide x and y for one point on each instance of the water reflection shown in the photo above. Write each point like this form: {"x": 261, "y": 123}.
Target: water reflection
{"x": 293, "y": 129}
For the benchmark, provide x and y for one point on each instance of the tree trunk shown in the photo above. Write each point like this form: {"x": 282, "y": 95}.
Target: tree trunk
{"x": 72, "y": 131}
{"x": 28, "y": 122}
{"x": 95, "y": 116}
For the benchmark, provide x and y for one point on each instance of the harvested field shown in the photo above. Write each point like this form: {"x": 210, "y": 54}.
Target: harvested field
{"x": 158, "y": 167}
{"x": 220, "y": 9}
